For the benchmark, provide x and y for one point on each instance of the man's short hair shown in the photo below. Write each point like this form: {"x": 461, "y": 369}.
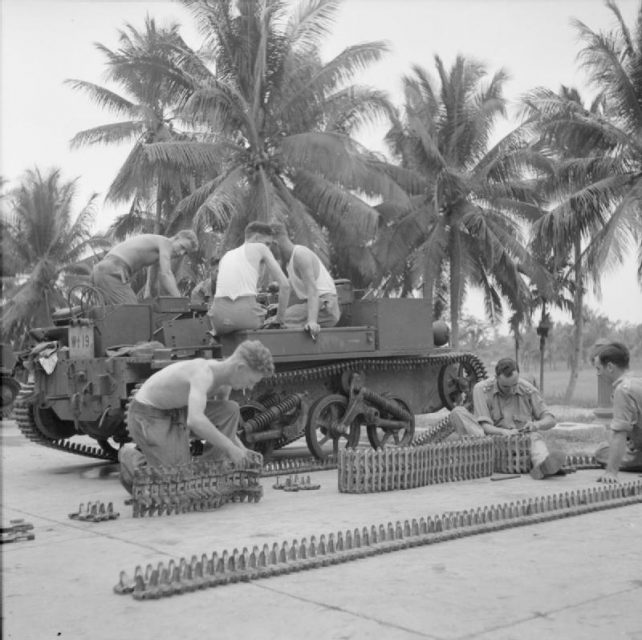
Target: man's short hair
{"x": 614, "y": 352}
{"x": 257, "y": 228}
{"x": 187, "y": 234}
{"x": 506, "y": 367}
{"x": 257, "y": 356}
{"x": 279, "y": 230}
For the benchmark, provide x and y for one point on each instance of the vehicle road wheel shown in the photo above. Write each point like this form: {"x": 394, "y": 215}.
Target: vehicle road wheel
{"x": 380, "y": 437}
{"x": 321, "y": 434}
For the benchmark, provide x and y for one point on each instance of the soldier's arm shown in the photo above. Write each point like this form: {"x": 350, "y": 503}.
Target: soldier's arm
{"x": 624, "y": 416}
{"x": 166, "y": 278}
{"x": 543, "y": 416}
{"x": 200, "y": 382}
{"x": 482, "y": 412}
{"x": 277, "y": 274}
{"x": 304, "y": 264}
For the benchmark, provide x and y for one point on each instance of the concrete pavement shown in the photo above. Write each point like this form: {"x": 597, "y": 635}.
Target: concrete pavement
{"x": 571, "y": 578}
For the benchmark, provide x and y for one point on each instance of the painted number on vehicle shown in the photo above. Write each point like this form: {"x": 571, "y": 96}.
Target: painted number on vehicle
{"x": 81, "y": 342}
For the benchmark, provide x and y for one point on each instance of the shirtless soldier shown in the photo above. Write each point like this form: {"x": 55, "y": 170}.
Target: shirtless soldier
{"x": 111, "y": 276}
{"x": 191, "y": 396}
{"x": 312, "y": 284}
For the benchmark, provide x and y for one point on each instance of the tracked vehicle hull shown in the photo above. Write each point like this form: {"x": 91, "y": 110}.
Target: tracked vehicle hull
{"x": 369, "y": 376}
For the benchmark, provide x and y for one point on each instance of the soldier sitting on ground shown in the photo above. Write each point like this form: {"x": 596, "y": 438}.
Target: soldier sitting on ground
{"x": 191, "y": 397}
{"x": 509, "y": 405}
{"x": 624, "y": 451}
{"x": 235, "y": 307}
{"x": 112, "y": 275}
{"x": 311, "y": 283}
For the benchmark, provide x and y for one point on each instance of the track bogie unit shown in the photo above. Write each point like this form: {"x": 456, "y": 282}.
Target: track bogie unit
{"x": 368, "y": 376}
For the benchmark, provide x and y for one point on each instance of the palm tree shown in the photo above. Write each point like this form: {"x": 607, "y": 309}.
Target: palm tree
{"x": 570, "y": 221}
{"x": 466, "y": 197}
{"x": 157, "y": 72}
{"x": 43, "y": 241}
{"x": 606, "y": 181}
{"x": 278, "y": 121}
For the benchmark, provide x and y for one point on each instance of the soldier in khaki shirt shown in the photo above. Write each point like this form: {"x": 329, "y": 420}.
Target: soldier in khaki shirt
{"x": 507, "y": 405}
{"x": 624, "y": 450}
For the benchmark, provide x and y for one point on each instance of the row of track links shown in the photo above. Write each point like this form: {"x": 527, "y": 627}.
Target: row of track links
{"x": 242, "y": 566}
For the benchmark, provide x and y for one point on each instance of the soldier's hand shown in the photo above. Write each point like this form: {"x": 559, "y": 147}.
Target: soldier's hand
{"x": 529, "y": 427}
{"x": 608, "y": 477}
{"x": 238, "y": 455}
{"x": 313, "y": 328}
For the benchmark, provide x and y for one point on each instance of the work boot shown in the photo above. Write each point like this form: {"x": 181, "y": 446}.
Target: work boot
{"x": 131, "y": 459}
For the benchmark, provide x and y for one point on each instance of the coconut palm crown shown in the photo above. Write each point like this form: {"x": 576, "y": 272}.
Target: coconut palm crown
{"x": 43, "y": 241}
{"x": 157, "y": 72}
{"x": 467, "y": 195}
{"x": 278, "y": 120}
{"x": 602, "y": 166}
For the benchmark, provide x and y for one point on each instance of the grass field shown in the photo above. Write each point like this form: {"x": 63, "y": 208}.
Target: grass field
{"x": 555, "y": 383}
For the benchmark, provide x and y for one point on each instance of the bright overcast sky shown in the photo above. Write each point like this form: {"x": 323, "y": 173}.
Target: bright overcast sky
{"x": 43, "y": 42}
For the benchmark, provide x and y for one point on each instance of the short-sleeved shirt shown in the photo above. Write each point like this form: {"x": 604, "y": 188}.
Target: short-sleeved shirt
{"x": 508, "y": 411}
{"x": 627, "y": 408}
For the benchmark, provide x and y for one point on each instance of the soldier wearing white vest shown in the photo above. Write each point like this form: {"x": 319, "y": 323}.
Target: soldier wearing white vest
{"x": 312, "y": 284}
{"x": 234, "y": 306}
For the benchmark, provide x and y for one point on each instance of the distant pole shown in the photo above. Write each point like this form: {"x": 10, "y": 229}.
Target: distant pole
{"x": 542, "y": 346}
{"x": 542, "y": 331}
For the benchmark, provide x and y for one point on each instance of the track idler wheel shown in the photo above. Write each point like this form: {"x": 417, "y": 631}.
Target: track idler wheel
{"x": 380, "y": 436}
{"x": 456, "y": 380}
{"x": 322, "y": 434}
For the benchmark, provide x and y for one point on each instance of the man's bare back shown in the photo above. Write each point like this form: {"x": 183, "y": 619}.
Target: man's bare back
{"x": 170, "y": 387}
{"x": 141, "y": 251}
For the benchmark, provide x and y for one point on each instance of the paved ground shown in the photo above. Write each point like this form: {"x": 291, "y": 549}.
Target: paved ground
{"x": 571, "y": 578}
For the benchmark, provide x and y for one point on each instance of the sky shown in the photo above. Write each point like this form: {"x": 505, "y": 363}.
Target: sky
{"x": 44, "y": 42}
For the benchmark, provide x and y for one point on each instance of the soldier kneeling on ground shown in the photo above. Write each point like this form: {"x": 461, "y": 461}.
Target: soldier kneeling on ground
{"x": 191, "y": 397}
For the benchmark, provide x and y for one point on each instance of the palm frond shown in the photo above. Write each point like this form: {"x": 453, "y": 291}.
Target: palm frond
{"x": 108, "y": 134}
{"x": 104, "y": 98}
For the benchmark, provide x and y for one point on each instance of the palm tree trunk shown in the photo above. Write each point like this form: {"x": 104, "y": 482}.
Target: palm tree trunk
{"x": 542, "y": 348}
{"x": 159, "y": 210}
{"x": 455, "y": 286}
{"x": 428, "y": 289}
{"x": 578, "y": 317}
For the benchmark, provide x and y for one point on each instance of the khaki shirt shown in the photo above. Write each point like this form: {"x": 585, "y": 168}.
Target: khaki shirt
{"x": 507, "y": 411}
{"x": 627, "y": 408}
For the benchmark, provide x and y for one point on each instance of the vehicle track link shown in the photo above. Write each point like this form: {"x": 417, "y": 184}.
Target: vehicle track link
{"x": 198, "y": 486}
{"x": 226, "y": 567}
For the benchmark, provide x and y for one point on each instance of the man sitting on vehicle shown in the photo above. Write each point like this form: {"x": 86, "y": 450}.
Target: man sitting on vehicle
{"x": 112, "y": 275}
{"x": 191, "y": 396}
{"x": 311, "y": 283}
{"x": 509, "y": 405}
{"x": 235, "y": 307}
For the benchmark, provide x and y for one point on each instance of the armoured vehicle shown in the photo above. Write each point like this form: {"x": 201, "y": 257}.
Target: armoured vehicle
{"x": 371, "y": 373}
{"x": 10, "y": 384}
